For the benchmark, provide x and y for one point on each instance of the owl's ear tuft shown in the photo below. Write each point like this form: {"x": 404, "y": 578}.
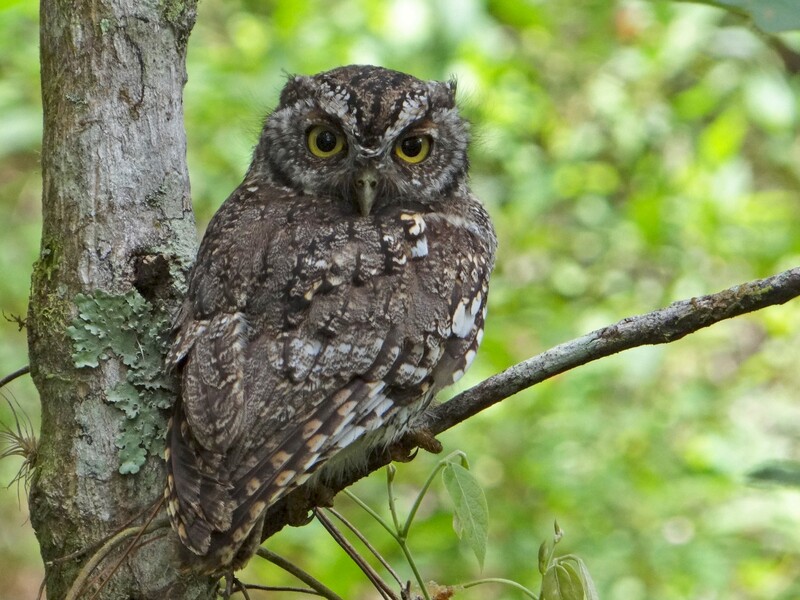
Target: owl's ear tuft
{"x": 452, "y": 84}
{"x": 298, "y": 86}
{"x": 443, "y": 93}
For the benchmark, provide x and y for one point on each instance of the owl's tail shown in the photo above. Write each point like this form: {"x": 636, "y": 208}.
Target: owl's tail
{"x": 198, "y": 501}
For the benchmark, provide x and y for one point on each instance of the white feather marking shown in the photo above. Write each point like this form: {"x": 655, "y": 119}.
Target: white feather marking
{"x": 346, "y": 408}
{"x": 416, "y": 225}
{"x": 476, "y": 303}
{"x": 406, "y": 371}
{"x": 302, "y": 355}
{"x": 458, "y": 318}
{"x": 420, "y": 249}
{"x": 316, "y": 442}
{"x": 310, "y": 462}
{"x": 463, "y": 321}
{"x": 283, "y": 478}
{"x": 311, "y": 427}
{"x": 468, "y": 358}
{"x": 312, "y": 290}
{"x": 342, "y": 424}
{"x": 370, "y": 406}
{"x": 383, "y": 406}
{"x": 350, "y": 436}
{"x": 375, "y": 388}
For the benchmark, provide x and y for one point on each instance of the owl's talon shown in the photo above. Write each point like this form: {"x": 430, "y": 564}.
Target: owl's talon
{"x": 403, "y": 453}
{"x": 425, "y": 439}
{"x": 407, "y": 448}
{"x": 229, "y": 581}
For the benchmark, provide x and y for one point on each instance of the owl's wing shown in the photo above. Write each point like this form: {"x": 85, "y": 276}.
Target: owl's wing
{"x": 209, "y": 340}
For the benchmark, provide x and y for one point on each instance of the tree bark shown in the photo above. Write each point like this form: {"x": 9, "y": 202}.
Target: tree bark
{"x": 118, "y": 237}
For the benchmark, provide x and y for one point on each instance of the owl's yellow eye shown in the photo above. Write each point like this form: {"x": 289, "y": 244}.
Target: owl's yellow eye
{"x": 325, "y": 142}
{"x": 413, "y": 149}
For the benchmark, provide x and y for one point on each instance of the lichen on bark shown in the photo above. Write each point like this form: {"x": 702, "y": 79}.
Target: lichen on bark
{"x": 128, "y": 328}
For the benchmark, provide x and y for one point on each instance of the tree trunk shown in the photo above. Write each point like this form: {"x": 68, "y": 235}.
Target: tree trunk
{"x": 118, "y": 237}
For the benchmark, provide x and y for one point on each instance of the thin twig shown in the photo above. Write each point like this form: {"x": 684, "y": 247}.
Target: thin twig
{"x": 371, "y": 512}
{"x": 309, "y": 580}
{"x": 97, "y": 557}
{"x": 502, "y": 581}
{"x": 129, "y": 549}
{"x": 282, "y": 588}
{"x": 101, "y": 541}
{"x": 377, "y": 581}
{"x": 242, "y": 588}
{"x": 18, "y": 373}
{"x": 366, "y": 543}
{"x": 134, "y": 545}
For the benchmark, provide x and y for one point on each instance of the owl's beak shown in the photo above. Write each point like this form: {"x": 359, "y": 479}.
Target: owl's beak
{"x": 366, "y": 190}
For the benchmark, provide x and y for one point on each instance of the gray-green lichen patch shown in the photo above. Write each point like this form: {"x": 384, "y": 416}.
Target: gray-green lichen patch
{"x": 133, "y": 330}
{"x": 49, "y": 260}
{"x": 180, "y": 14}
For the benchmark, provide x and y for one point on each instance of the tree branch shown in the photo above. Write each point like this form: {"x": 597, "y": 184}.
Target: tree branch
{"x": 289, "y": 567}
{"x": 12, "y": 376}
{"x": 658, "y": 327}
{"x": 662, "y": 326}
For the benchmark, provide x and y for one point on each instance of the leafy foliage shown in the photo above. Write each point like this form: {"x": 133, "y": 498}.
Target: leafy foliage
{"x": 471, "y": 513}
{"x": 785, "y": 473}
{"x": 564, "y": 577}
{"x": 130, "y": 328}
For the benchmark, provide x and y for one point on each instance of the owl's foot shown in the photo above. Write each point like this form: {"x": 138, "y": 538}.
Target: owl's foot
{"x": 230, "y": 580}
{"x": 407, "y": 447}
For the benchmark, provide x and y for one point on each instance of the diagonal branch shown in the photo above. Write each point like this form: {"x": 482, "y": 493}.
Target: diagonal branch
{"x": 658, "y": 327}
{"x": 662, "y": 326}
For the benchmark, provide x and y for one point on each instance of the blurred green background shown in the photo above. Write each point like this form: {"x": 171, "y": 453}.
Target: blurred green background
{"x": 632, "y": 154}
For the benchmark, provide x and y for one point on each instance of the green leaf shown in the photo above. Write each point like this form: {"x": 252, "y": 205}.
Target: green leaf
{"x": 589, "y": 588}
{"x": 562, "y": 582}
{"x": 558, "y": 533}
{"x": 785, "y": 473}
{"x": 577, "y": 565}
{"x": 772, "y": 16}
{"x": 471, "y": 510}
{"x": 544, "y": 557}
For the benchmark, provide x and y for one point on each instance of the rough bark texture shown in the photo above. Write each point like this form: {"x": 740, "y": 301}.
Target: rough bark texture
{"x": 117, "y": 220}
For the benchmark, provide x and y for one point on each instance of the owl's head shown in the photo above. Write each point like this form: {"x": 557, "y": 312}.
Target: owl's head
{"x": 367, "y": 135}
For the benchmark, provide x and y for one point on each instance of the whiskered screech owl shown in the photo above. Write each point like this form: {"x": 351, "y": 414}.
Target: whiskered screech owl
{"x": 339, "y": 287}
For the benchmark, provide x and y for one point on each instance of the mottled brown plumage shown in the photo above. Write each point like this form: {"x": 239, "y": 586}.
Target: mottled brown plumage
{"x": 339, "y": 287}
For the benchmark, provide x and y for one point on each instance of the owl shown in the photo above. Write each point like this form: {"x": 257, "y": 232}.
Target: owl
{"x": 335, "y": 292}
